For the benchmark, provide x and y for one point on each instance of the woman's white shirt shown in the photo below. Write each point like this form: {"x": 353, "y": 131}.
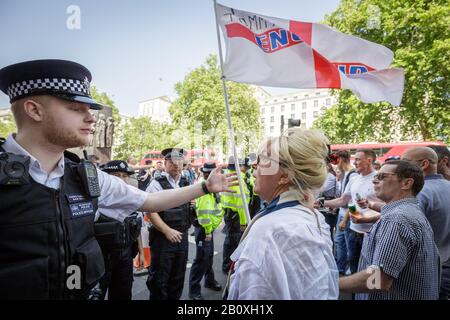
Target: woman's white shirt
{"x": 285, "y": 256}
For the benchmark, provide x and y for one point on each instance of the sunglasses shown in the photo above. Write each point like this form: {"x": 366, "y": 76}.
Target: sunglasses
{"x": 264, "y": 161}
{"x": 382, "y": 175}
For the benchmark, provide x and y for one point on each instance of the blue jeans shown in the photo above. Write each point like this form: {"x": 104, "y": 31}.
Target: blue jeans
{"x": 341, "y": 243}
{"x": 354, "y": 245}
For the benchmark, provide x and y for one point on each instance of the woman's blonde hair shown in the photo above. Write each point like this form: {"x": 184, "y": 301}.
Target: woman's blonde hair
{"x": 302, "y": 155}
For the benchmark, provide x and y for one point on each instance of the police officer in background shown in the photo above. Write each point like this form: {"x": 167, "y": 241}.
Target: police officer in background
{"x": 168, "y": 237}
{"x": 209, "y": 216}
{"x": 48, "y": 197}
{"x": 118, "y": 240}
{"x": 234, "y": 217}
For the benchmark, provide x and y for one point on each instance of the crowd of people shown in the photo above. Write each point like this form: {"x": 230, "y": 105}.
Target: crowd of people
{"x": 323, "y": 224}
{"x": 319, "y": 225}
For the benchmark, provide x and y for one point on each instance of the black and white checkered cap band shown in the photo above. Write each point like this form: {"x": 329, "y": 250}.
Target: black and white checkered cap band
{"x": 70, "y": 86}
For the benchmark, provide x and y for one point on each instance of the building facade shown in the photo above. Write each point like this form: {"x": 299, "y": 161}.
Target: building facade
{"x": 306, "y": 105}
{"x": 156, "y": 108}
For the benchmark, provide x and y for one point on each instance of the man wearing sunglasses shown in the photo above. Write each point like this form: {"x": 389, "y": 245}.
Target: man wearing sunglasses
{"x": 399, "y": 259}
{"x": 434, "y": 200}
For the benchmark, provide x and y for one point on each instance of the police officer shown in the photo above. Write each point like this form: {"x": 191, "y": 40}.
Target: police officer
{"x": 254, "y": 200}
{"x": 48, "y": 197}
{"x": 234, "y": 217}
{"x": 209, "y": 215}
{"x": 168, "y": 237}
{"x": 119, "y": 243}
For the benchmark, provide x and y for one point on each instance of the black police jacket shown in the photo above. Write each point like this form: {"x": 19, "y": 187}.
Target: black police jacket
{"x": 178, "y": 218}
{"x": 47, "y": 240}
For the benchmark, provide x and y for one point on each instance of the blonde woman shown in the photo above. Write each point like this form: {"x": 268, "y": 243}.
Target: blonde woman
{"x": 286, "y": 252}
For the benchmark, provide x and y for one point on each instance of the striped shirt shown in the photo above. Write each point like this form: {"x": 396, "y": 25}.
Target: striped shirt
{"x": 401, "y": 244}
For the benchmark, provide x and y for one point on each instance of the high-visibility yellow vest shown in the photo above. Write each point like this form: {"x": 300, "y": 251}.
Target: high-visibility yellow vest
{"x": 233, "y": 201}
{"x": 209, "y": 212}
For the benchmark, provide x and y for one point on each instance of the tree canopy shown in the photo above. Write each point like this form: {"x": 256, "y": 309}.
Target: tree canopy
{"x": 418, "y": 33}
{"x": 200, "y": 109}
{"x": 140, "y": 135}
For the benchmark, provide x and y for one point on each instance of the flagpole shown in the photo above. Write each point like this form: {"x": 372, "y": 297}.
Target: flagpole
{"x": 230, "y": 123}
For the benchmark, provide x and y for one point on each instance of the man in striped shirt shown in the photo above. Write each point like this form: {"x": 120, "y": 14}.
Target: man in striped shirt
{"x": 399, "y": 259}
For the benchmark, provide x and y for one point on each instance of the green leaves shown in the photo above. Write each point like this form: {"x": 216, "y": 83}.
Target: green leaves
{"x": 201, "y": 105}
{"x": 418, "y": 32}
{"x": 141, "y": 135}
{"x": 7, "y": 126}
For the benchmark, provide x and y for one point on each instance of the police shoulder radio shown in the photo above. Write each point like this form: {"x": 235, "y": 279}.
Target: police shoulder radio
{"x": 88, "y": 174}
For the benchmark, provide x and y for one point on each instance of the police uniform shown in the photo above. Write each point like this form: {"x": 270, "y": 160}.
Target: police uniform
{"x": 48, "y": 248}
{"x": 254, "y": 205}
{"x": 168, "y": 266}
{"x": 209, "y": 216}
{"x": 234, "y": 217}
{"x": 118, "y": 241}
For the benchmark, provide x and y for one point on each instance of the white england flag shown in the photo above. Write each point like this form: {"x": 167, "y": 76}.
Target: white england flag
{"x": 277, "y": 52}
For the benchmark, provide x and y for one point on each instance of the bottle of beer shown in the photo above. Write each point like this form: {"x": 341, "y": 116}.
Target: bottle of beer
{"x": 353, "y": 211}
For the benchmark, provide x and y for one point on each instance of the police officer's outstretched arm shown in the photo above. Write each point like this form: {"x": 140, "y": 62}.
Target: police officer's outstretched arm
{"x": 217, "y": 182}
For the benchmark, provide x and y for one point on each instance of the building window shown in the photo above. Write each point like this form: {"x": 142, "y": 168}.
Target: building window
{"x": 272, "y": 119}
{"x": 316, "y": 103}
{"x": 266, "y": 102}
{"x": 303, "y": 125}
{"x": 284, "y": 99}
{"x": 328, "y": 101}
{"x": 282, "y": 108}
{"x": 304, "y": 105}
{"x": 293, "y": 107}
{"x": 295, "y": 97}
{"x": 271, "y": 129}
{"x": 263, "y": 110}
{"x": 316, "y": 114}
{"x": 272, "y": 109}
{"x": 303, "y": 115}
{"x": 292, "y": 116}
{"x": 317, "y": 93}
{"x": 262, "y": 120}
{"x": 306, "y": 95}
{"x": 275, "y": 100}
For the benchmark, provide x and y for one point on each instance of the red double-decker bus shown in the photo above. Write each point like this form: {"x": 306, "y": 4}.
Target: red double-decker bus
{"x": 385, "y": 150}
{"x": 153, "y": 155}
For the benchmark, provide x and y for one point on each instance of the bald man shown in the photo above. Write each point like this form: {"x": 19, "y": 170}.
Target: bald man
{"x": 435, "y": 202}
{"x": 444, "y": 160}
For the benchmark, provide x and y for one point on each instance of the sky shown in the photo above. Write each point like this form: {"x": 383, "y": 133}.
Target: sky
{"x": 135, "y": 50}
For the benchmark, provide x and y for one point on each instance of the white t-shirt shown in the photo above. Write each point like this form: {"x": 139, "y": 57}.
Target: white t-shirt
{"x": 364, "y": 186}
{"x": 286, "y": 255}
{"x": 343, "y": 210}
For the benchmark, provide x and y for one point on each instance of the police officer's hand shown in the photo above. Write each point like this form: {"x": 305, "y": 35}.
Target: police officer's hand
{"x": 208, "y": 237}
{"x": 218, "y": 182}
{"x": 173, "y": 235}
{"x": 243, "y": 227}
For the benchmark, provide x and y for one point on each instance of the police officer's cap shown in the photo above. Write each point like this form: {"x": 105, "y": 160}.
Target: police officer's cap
{"x": 174, "y": 154}
{"x": 60, "y": 78}
{"x": 231, "y": 165}
{"x": 208, "y": 167}
{"x": 117, "y": 166}
{"x": 252, "y": 157}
